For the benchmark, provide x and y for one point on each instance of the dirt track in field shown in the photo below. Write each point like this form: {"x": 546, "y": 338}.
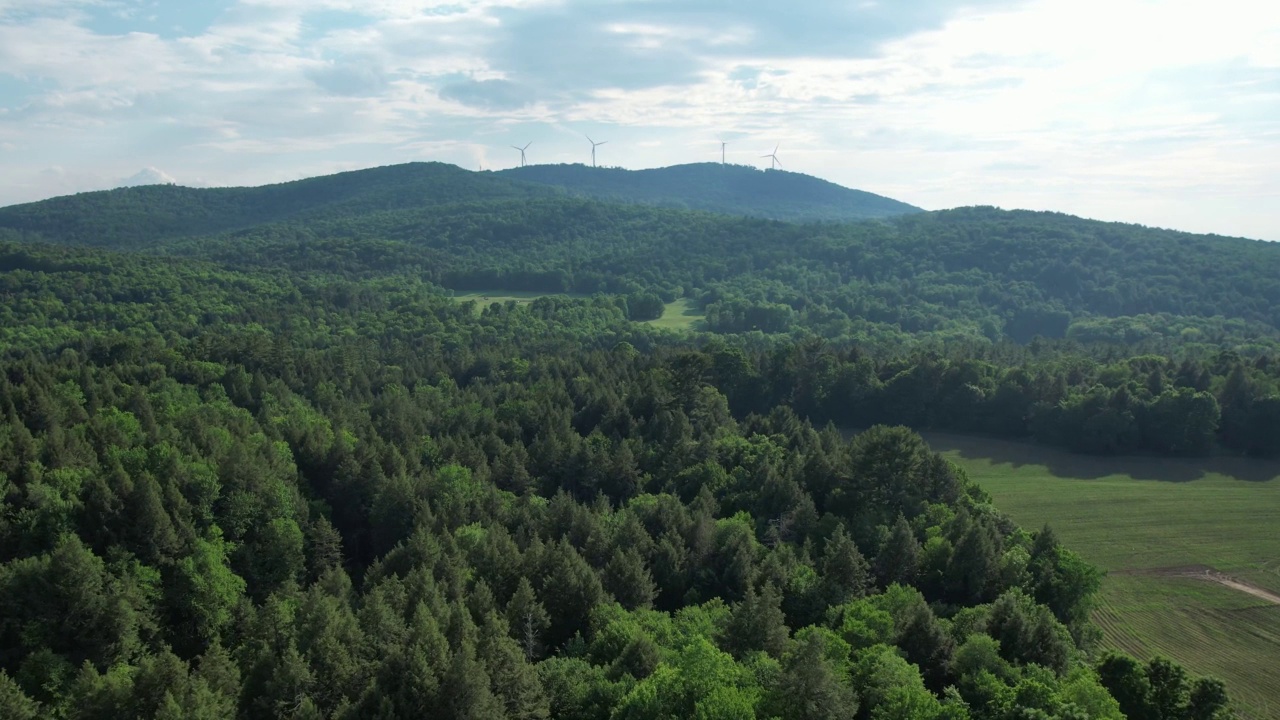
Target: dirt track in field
{"x": 1204, "y": 572}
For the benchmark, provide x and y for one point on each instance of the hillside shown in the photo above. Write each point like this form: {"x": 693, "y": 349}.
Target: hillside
{"x": 139, "y": 216}
{"x": 278, "y": 473}
{"x": 133, "y": 216}
{"x": 729, "y": 189}
{"x": 971, "y": 275}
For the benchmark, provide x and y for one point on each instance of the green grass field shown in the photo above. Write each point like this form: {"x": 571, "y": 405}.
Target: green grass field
{"x": 485, "y": 298}
{"x": 679, "y": 315}
{"x": 1147, "y": 521}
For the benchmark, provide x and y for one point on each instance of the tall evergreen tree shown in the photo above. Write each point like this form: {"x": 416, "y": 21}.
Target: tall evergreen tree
{"x": 899, "y": 557}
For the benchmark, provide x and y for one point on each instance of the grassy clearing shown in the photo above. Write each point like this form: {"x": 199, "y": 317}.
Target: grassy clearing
{"x": 679, "y": 315}
{"x": 1135, "y": 517}
{"x": 484, "y": 298}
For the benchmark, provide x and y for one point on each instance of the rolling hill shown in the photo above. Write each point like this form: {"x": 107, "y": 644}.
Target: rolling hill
{"x": 971, "y": 274}
{"x": 150, "y": 214}
{"x": 730, "y": 189}
{"x": 139, "y": 216}
{"x": 238, "y": 400}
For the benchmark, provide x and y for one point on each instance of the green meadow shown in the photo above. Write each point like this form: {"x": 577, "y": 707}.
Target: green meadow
{"x": 1157, "y": 526}
{"x": 677, "y": 315}
{"x": 484, "y": 298}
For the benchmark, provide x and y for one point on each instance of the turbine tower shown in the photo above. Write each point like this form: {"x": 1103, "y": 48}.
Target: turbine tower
{"x": 722, "y": 144}
{"x": 773, "y": 156}
{"x": 522, "y": 149}
{"x": 593, "y": 148}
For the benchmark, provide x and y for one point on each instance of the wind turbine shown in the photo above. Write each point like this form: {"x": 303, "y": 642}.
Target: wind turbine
{"x": 522, "y": 149}
{"x": 593, "y": 148}
{"x": 722, "y": 144}
{"x": 774, "y": 163}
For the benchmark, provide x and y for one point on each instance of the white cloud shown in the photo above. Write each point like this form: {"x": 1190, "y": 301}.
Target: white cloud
{"x": 1167, "y": 113}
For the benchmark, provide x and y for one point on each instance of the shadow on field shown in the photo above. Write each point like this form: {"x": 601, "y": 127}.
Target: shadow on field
{"x": 1067, "y": 465}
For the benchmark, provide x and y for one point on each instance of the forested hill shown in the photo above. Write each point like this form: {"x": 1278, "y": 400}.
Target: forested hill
{"x": 971, "y": 275}
{"x": 127, "y": 217}
{"x": 729, "y": 189}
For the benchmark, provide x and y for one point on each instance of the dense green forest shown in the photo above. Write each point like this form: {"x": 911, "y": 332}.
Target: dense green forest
{"x": 256, "y": 462}
{"x": 970, "y": 276}
{"x": 261, "y": 492}
{"x": 730, "y": 189}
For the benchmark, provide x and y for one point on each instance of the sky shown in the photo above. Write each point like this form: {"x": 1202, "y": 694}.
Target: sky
{"x": 1160, "y": 113}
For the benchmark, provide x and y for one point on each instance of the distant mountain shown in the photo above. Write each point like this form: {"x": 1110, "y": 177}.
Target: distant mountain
{"x": 130, "y": 216}
{"x": 729, "y": 189}
{"x": 969, "y": 275}
{"x": 154, "y": 213}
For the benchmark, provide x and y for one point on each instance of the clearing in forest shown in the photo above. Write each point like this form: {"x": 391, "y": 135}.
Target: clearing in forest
{"x": 679, "y": 315}
{"x": 1189, "y": 546}
{"x": 485, "y": 298}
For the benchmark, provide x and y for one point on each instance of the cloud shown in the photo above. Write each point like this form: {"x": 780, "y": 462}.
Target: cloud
{"x": 487, "y": 94}
{"x": 1126, "y": 109}
{"x": 358, "y": 76}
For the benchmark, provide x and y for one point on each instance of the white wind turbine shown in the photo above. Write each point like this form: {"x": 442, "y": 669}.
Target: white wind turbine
{"x": 522, "y": 149}
{"x": 773, "y": 156}
{"x": 593, "y": 148}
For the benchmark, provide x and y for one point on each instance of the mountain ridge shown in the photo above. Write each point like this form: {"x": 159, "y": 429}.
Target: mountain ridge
{"x": 157, "y": 212}
{"x": 715, "y": 187}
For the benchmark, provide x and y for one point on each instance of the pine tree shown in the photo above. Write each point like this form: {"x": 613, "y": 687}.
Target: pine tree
{"x": 515, "y": 680}
{"x": 527, "y": 619}
{"x": 570, "y": 589}
{"x": 974, "y": 568}
{"x": 757, "y": 623}
{"x": 812, "y": 686}
{"x": 14, "y": 704}
{"x": 899, "y": 557}
{"x": 466, "y": 693}
{"x": 629, "y": 581}
{"x": 845, "y": 573}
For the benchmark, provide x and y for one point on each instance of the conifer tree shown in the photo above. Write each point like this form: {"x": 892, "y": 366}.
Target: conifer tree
{"x": 845, "y": 572}
{"x": 629, "y": 581}
{"x": 899, "y": 557}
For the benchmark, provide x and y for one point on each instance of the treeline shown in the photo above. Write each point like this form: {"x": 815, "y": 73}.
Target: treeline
{"x": 330, "y": 499}
{"x": 1136, "y": 404}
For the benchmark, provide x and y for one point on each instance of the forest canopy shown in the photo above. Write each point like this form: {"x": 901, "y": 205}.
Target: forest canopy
{"x": 256, "y": 462}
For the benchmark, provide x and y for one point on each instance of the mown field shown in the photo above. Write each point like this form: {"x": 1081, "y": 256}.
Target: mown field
{"x": 485, "y": 298}
{"x": 1155, "y": 524}
{"x": 677, "y": 315}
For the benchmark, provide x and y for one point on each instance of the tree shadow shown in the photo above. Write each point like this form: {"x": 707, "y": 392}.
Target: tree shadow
{"x": 1061, "y": 463}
